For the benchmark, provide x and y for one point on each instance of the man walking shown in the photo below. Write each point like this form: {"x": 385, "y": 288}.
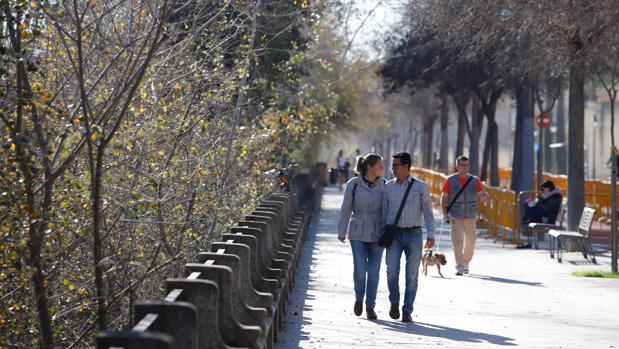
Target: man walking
{"x": 459, "y": 202}
{"x": 408, "y": 235}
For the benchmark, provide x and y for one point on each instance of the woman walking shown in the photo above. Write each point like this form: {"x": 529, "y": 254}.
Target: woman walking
{"x": 361, "y": 221}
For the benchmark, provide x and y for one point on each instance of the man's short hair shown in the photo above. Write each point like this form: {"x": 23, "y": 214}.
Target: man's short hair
{"x": 461, "y": 157}
{"x": 404, "y": 157}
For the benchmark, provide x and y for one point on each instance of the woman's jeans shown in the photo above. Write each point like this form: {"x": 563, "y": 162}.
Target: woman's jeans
{"x": 411, "y": 243}
{"x": 366, "y": 257}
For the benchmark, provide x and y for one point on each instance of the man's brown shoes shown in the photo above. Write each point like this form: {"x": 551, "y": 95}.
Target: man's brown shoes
{"x": 371, "y": 314}
{"x": 394, "y": 312}
{"x": 358, "y": 308}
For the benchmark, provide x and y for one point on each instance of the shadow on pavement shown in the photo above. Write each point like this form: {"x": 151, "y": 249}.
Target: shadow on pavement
{"x": 295, "y": 319}
{"x": 504, "y": 280}
{"x": 454, "y": 334}
{"x": 581, "y": 262}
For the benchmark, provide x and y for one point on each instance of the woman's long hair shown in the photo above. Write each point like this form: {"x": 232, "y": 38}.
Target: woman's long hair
{"x": 365, "y": 161}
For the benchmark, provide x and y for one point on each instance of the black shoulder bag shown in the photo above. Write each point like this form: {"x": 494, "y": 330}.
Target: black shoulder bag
{"x": 388, "y": 234}
{"x": 458, "y": 195}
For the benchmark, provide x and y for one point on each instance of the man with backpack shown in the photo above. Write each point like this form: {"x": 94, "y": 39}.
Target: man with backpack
{"x": 461, "y": 193}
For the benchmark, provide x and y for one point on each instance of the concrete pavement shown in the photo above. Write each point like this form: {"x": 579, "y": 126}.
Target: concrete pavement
{"x": 511, "y": 298}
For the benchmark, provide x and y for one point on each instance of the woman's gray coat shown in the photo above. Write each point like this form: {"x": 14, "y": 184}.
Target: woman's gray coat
{"x": 362, "y": 220}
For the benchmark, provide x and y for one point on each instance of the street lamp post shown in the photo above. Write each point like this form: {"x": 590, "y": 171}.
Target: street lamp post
{"x": 540, "y": 156}
{"x": 595, "y": 124}
{"x": 553, "y": 131}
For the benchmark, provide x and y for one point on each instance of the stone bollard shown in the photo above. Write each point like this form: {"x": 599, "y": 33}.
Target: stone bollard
{"x": 276, "y": 258}
{"x": 289, "y": 234}
{"x": 290, "y": 200}
{"x": 273, "y": 258}
{"x": 286, "y": 247}
{"x": 251, "y": 303}
{"x": 287, "y": 237}
{"x": 275, "y": 241}
{"x": 287, "y": 207}
{"x": 134, "y": 340}
{"x": 289, "y": 229}
{"x": 252, "y": 296}
{"x": 237, "y": 244}
{"x": 299, "y": 223}
{"x": 232, "y": 327}
{"x": 269, "y": 266}
{"x": 204, "y": 295}
{"x": 258, "y": 306}
{"x": 260, "y": 282}
{"x": 178, "y": 319}
{"x": 287, "y": 215}
{"x": 292, "y": 213}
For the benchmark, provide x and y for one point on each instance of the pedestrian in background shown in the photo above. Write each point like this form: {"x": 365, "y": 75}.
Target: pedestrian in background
{"x": 546, "y": 208}
{"x": 461, "y": 192}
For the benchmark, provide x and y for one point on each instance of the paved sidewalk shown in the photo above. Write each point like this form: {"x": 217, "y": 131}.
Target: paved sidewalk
{"x": 511, "y": 298}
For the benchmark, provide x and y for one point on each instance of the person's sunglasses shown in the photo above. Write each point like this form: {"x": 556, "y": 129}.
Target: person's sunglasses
{"x": 395, "y": 165}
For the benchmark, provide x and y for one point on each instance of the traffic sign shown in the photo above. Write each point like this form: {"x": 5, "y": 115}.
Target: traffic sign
{"x": 543, "y": 120}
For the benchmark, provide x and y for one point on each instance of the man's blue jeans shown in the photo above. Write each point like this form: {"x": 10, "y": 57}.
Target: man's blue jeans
{"x": 411, "y": 243}
{"x": 366, "y": 258}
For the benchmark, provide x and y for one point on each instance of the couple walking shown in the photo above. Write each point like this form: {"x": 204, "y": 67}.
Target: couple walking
{"x": 371, "y": 202}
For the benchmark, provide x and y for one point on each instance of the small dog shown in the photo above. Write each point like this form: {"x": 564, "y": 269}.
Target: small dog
{"x": 431, "y": 258}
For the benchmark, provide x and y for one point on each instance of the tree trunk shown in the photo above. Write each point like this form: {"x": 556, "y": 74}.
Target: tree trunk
{"x": 517, "y": 169}
{"x": 38, "y": 226}
{"x": 491, "y": 154}
{"x": 493, "y": 130}
{"x": 410, "y": 138}
{"x": 414, "y": 145}
{"x": 576, "y": 158}
{"x": 428, "y": 136}
{"x": 486, "y": 156}
{"x": 98, "y": 241}
{"x": 444, "y": 161}
{"x": 38, "y": 280}
{"x": 460, "y": 103}
{"x": 560, "y": 153}
{"x": 492, "y": 140}
{"x": 613, "y": 188}
{"x": 524, "y": 152}
{"x": 528, "y": 144}
{"x": 461, "y": 133}
{"x": 476, "y": 121}
{"x": 539, "y": 169}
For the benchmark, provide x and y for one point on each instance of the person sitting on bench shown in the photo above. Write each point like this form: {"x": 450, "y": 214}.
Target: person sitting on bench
{"x": 546, "y": 208}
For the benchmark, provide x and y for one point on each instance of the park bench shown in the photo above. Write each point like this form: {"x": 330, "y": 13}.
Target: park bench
{"x": 558, "y": 238}
{"x": 534, "y": 230}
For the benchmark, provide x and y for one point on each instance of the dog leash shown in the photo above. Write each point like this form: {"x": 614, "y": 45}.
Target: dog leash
{"x": 440, "y": 232}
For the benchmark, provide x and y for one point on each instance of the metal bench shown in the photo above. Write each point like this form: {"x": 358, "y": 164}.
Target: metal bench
{"x": 559, "y": 238}
{"x": 534, "y": 230}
